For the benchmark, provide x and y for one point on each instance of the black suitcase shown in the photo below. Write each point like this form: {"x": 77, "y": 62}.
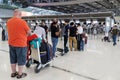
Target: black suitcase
{"x": 60, "y": 50}
{"x": 43, "y": 47}
{"x": 43, "y": 53}
{"x": 63, "y": 51}
{"x": 44, "y": 58}
{"x": 49, "y": 51}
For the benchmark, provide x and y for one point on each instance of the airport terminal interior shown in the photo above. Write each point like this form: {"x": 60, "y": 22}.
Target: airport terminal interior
{"x": 98, "y": 52}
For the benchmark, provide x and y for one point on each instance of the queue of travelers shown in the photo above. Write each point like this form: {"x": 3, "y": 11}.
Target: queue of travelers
{"x": 18, "y": 30}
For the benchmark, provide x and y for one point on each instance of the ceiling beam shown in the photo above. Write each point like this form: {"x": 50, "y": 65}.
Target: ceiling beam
{"x": 108, "y": 3}
{"x": 69, "y": 16}
{"x": 64, "y": 3}
{"x": 86, "y": 7}
{"x": 101, "y": 4}
{"x": 90, "y": 5}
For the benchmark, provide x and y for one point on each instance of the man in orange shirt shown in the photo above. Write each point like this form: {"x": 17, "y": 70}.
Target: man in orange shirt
{"x": 18, "y": 31}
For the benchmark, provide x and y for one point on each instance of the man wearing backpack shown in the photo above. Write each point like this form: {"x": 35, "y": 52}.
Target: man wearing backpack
{"x": 114, "y": 34}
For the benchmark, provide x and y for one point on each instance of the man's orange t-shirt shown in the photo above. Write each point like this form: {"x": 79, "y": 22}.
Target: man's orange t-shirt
{"x": 17, "y": 32}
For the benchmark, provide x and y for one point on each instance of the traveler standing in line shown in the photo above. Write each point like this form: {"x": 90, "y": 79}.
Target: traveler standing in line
{"x": 55, "y": 33}
{"x": 94, "y": 32}
{"x": 43, "y": 25}
{"x": 40, "y": 32}
{"x": 72, "y": 36}
{"x": 114, "y": 34}
{"x": 80, "y": 41}
{"x": 66, "y": 29}
{"x": 3, "y": 34}
{"x": 18, "y": 31}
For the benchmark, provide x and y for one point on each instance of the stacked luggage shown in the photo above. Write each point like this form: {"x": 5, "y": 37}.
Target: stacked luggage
{"x": 39, "y": 52}
{"x": 46, "y": 52}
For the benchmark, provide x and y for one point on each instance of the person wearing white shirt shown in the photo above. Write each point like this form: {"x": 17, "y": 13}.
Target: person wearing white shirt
{"x": 80, "y": 29}
{"x": 80, "y": 41}
{"x": 40, "y": 32}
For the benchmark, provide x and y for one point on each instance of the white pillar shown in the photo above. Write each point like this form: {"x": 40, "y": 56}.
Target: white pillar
{"x": 108, "y": 24}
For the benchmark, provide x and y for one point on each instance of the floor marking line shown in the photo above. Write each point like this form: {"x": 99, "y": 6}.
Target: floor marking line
{"x": 87, "y": 77}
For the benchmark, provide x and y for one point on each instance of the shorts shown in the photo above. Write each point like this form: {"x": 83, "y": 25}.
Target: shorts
{"x": 18, "y": 55}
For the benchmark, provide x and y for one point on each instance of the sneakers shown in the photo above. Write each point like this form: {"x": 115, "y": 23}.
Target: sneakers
{"x": 114, "y": 44}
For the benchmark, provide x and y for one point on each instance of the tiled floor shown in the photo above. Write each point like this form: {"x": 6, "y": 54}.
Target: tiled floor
{"x": 99, "y": 61}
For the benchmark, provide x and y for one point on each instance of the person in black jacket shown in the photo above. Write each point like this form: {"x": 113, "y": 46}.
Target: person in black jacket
{"x": 66, "y": 29}
{"x": 55, "y": 33}
{"x": 72, "y": 36}
{"x": 45, "y": 27}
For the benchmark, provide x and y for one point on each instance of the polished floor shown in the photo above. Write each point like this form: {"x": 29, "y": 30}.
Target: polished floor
{"x": 99, "y": 61}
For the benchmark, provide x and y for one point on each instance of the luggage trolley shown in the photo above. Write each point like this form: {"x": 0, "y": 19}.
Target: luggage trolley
{"x": 35, "y": 57}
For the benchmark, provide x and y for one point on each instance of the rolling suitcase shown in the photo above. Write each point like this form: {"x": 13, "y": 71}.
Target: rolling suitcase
{"x": 63, "y": 51}
{"x": 49, "y": 51}
{"x": 43, "y": 52}
{"x": 46, "y": 52}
